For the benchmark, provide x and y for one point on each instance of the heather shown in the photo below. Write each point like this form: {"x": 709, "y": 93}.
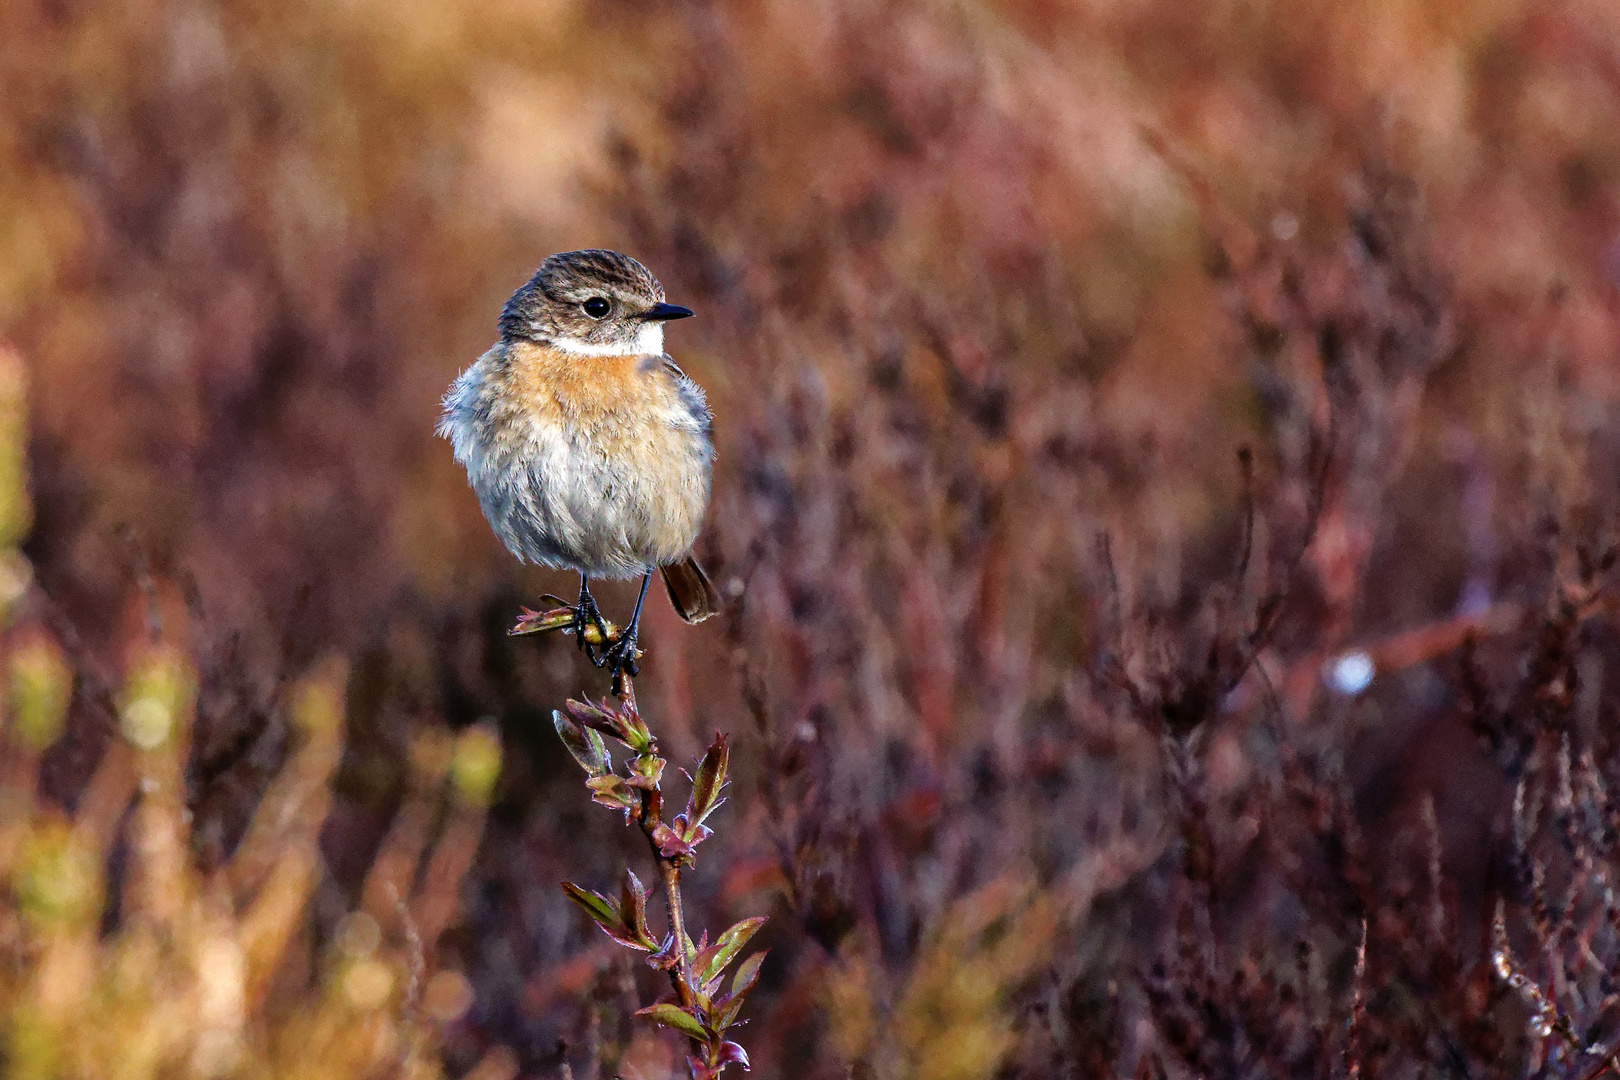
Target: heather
{"x": 1165, "y": 501}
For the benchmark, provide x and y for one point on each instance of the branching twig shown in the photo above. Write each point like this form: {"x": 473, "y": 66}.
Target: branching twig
{"x": 697, "y": 1008}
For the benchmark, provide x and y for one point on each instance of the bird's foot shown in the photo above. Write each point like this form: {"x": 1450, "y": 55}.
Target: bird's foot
{"x": 620, "y": 658}
{"x": 590, "y": 629}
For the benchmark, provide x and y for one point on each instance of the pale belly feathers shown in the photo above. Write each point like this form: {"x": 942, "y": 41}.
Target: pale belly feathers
{"x": 603, "y": 470}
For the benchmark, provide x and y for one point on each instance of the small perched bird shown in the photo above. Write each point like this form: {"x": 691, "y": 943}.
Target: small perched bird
{"x": 588, "y": 448}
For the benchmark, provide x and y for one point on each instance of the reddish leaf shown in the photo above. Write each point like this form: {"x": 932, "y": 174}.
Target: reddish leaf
{"x": 622, "y": 722}
{"x": 665, "y": 958}
{"x": 710, "y": 779}
{"x": 690, "y": 831}
{"x": 633, "y": 911}
{"x": 538, "y": 622}
{"x": 732, "y": 1054}
{"x": 670, "y": 843}
{"x": 589, "y": 714}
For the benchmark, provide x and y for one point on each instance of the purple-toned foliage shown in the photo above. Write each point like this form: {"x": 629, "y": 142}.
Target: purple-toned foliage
{"x": 1168, "y": 475}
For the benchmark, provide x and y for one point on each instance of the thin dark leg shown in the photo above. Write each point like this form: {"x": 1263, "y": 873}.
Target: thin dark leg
{"x": 641, "y": 598}
{"x": 622, "y": 656}
{"x": 586, "y": 615}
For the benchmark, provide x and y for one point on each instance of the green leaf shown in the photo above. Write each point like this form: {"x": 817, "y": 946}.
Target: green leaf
{"x": 610, "y": 790}
{"x": 673, "y": 1016}
{"x": 645, "y": 772}
{"x": 633, "y": 731}
{"x": 585, "y": 745}
{"x": 747, "y": 974}
{"x": 730, "y": 1004}
{"x": 710, "y": 779}
{"x": 711, "y": 962}
{"x": 611, "y": 918}
{"x": 597, "y": 906}
{"x": 601, "y": 762}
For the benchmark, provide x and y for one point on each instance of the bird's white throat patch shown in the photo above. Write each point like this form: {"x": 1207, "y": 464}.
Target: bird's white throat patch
{"x": 649, "y": 342}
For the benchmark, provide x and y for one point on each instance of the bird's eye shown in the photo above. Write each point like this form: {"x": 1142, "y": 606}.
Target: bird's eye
{"x": 596, "y": 307}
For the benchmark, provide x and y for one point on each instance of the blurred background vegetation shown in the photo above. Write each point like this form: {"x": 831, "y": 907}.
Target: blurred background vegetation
{"x": 1048, "y": 757}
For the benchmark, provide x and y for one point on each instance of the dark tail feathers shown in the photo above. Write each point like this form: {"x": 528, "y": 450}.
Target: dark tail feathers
{"x": 690, "y": 592}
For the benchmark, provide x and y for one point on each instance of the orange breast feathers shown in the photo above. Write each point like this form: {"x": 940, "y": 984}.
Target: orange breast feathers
{"x": 620, "y": 400}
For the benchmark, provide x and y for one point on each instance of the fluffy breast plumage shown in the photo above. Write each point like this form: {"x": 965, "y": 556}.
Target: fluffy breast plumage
{"x": 599, "y": 464}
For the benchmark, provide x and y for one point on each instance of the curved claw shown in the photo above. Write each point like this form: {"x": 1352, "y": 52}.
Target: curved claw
{"x": 622, "y": 655}
{"x": 620, "y": 658}
{"x": 586, "y": 619}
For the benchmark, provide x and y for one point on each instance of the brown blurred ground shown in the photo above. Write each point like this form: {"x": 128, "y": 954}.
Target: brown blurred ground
{"x": 991, "y": 296}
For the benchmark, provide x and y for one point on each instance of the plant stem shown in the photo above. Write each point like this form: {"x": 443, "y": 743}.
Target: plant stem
{"x": 652, "y": 814}
{"x": 677, "y": 925}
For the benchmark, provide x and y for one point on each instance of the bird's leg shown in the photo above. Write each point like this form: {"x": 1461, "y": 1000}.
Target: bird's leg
{"x": 585, "y": 616}
{"x": 620, "y": 657}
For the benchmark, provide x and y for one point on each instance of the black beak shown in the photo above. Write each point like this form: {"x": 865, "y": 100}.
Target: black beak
{"x": 665, "y": 312}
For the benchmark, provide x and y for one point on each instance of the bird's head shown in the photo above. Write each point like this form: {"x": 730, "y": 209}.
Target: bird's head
{"x": 592, "y": 303}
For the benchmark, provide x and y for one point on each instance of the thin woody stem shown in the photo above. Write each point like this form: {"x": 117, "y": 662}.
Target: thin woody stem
{"x": 669, "y": 869}
{"x": 677, "y": 924}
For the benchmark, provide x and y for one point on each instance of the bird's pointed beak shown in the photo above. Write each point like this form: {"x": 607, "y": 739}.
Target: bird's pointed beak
{"x": 666, "y": 312}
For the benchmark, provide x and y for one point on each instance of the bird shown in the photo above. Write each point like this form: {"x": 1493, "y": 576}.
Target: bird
{"x": 587, "y": 446}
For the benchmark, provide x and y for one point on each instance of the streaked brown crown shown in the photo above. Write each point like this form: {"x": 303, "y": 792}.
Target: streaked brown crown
{"x": 551, "y": 304}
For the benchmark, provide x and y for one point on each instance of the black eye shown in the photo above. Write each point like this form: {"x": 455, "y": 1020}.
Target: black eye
{"x": 596, "y": 307}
